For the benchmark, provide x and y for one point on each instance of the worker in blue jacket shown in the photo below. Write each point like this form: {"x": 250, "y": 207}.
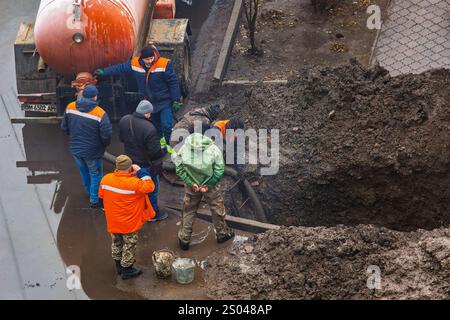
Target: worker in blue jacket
{"x": 157, "y": 82}
{"x": 90, "y": 132}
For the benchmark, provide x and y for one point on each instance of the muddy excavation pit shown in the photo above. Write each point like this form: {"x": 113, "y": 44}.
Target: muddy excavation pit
{"x": 357, "y": 146}
{"x": 363, "y": 183}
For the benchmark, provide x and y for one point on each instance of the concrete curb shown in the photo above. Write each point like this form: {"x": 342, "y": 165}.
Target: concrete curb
{"x": 372, "y": 59}
{"x": 253, "y": 82}
{"x": 228, "y": 42}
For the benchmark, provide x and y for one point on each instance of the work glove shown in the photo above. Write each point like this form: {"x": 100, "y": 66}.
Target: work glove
{"x": 168, "y": 149}
{"x": 165, "y": 146}
{"x": 176, "y": 105}
{"x": 99, "y": 72}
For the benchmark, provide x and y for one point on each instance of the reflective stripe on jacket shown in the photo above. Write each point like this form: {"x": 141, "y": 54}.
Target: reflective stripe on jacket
{"x": 125, "y": 199}
{"x": 159, "y": 83}
{"x": 88, "y": 127}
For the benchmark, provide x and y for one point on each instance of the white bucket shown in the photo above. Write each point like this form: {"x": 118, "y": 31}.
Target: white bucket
{"x": 184, "y": 270}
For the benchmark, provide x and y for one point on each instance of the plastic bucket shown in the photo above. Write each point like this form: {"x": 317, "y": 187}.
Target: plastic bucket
{"x": 162, "y": 261}
{"x": 184, "y": 270}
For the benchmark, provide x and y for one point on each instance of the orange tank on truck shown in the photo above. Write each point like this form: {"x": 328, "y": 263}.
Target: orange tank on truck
{"x": 56, "y": 55}
{"x": 75, "y": 36}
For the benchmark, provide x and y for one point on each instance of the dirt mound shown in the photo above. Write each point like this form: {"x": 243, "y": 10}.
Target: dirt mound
{"x": 357, "y": 146}
{"x": 333, "y": 263}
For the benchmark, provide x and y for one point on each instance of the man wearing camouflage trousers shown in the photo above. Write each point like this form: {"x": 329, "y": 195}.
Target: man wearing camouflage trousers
{"x": 200, "y": 165}
{"x": 127, "y": 208}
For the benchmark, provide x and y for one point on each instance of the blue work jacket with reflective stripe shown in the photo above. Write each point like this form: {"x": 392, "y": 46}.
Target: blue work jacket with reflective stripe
{"x": 159, "y": 83}
{"x": 88, "y": 127}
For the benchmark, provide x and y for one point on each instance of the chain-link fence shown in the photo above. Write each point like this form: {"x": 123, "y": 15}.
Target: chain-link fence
{"x": 415, "y": 37}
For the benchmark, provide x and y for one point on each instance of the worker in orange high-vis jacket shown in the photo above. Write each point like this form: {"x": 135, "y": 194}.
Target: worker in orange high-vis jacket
{"x": 230, "y": 138}
{"x": 127, "y": 208}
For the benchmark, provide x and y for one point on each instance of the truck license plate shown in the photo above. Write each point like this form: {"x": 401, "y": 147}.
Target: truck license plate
{"x": 49, "y": 108}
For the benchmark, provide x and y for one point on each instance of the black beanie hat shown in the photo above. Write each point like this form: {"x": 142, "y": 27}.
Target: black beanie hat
{"x": 213, "y": 111}
{"x": 147, "y": 52}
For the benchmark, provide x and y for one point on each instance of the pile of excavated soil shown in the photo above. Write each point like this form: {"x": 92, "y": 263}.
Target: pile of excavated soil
{"x": 333, "y": 263}
{"x": 357, "y": 146}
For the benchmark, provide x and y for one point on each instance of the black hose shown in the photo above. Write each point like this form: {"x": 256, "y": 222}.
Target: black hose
{"x": 256, "y": 204}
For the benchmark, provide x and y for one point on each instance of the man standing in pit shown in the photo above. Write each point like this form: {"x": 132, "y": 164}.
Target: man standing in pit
{"x": 230, "y": 139}
{"x": 206, "y": 115}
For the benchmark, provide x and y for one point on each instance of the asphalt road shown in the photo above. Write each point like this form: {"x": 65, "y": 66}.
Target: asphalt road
{"x": 31, "y": 265}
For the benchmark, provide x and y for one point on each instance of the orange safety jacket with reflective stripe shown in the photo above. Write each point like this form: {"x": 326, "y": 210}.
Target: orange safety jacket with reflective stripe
{"x": 88, "y": 127}
{"x": 222, "y": 126}
{"x": 127, "y": 206}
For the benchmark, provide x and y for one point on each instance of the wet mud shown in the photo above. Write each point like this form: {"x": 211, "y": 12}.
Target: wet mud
{"x": 363, "y": 262}
{"x": 364, "y": 176}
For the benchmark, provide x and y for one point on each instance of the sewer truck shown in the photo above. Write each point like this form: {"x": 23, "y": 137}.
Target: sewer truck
{"x": 70, "y": 39}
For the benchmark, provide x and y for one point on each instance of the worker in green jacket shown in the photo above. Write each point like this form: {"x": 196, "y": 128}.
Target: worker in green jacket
{"x": 200, "y": 165}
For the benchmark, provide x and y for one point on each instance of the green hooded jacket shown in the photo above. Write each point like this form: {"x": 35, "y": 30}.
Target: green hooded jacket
{"x": 199, "y": 161}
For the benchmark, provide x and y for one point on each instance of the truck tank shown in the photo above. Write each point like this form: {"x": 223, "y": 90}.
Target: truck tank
{"x": 75, "y": 36}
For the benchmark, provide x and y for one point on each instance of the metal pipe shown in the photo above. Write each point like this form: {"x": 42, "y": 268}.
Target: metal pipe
{"x": 41, "y": 65}
{"x": 256, "y": 204}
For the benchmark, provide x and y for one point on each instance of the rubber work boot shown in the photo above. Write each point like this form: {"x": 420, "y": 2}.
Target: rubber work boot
{"x": 97, "y": 205}
{"x": 160, "y": 215}
{"x": 225, "y": 237}
{"x": 130, "y": 272}
{"x": 118, "y": 267}
{"x": 183, "y": 245}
